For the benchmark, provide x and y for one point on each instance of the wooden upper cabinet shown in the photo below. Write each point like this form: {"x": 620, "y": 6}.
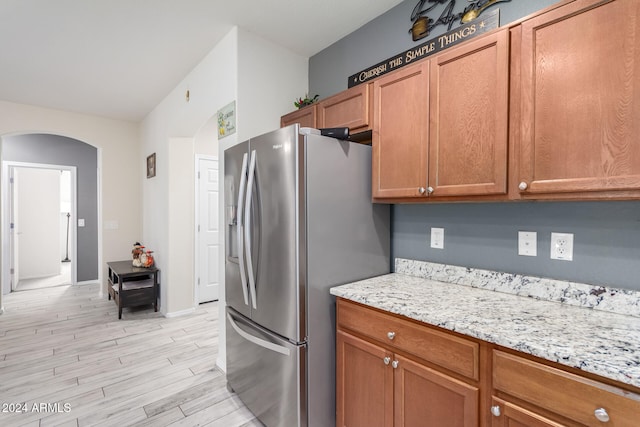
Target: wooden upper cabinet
{"x": 580, "y": 100}
{"x": 400, "y": 133}
{"x": 350, "y": 108}
{"x": 469, "y": 101}
{"x": 440, "y": 127}
{"x": 306, "y": 116}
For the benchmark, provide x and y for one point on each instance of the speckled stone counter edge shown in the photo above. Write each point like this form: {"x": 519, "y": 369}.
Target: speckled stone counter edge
{"x": 621, "y": 301}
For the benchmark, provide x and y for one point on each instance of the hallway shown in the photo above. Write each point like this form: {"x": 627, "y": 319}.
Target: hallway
{"x": 64, "y": 278}
{"x": 67, "y": 359}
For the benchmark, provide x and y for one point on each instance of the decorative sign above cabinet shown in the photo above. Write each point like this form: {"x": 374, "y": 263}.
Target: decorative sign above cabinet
{"x": 423, "y": 24}
{"x": 453, "y": 37}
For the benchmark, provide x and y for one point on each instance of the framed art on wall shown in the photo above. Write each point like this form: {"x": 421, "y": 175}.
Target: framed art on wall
{"x": 151, "y": 165}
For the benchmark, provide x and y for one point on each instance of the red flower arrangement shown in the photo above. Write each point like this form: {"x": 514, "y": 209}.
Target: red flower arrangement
{"x": 306, "y": 101}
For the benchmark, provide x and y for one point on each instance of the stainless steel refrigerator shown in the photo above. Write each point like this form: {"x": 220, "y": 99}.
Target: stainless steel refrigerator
{"x": 299, "y": 220}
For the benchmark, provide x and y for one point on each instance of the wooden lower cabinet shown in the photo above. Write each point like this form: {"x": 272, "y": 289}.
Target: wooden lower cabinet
{"x": 364, "y": 383}
{"x": 387, "y": 376}
{"x": 510, "y": 415}
{"x": 426, "y": 397}
{"x": 563, "y": 395}
{"x": 376, "y": 385}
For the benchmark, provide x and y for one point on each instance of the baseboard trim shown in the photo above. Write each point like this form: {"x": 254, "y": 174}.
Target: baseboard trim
{"x": 180, "y": 313}
{"x": 88, "y": 282}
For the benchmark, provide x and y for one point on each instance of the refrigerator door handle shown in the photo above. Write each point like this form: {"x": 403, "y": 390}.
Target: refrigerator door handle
{"x": 239, "y": 236}
{"x": 247, "y": 230}
{"x": 257, "y": 341}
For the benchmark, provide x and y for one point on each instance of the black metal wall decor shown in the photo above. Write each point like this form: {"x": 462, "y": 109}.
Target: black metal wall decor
{"x": 475, "y": 27}
{"x": 423, "y": 24}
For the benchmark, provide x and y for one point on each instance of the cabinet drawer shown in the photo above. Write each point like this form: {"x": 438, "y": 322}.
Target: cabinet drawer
{"x": 448, "y": 351}
{"x": 566, "y": 394}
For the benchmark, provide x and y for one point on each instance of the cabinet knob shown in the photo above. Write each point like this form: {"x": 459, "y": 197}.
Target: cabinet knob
{"x": 523, "y": 186}
{"x": 391, "y": 335}
{"x": 429, "y": 190}
{"x": 421, "y": 190}
{"x": 601, "y": 415}
{"x": 394, "y": 364}
{"x": 495, "y": 411}
{"x": 386, "y": 360}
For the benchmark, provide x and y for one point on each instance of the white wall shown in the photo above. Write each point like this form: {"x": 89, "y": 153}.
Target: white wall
{"x": 119, "y": 163}
{"x": 169, "y": 131}
{"x": 263, "y": 79}
{"x": 37, "y": 221}
{"x": 270, "y": 78}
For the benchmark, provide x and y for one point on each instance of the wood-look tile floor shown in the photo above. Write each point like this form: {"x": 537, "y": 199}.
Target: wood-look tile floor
{"x": 66, "y": 360}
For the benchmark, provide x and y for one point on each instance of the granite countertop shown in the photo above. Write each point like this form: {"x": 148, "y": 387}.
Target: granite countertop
{"x": 595, "y": 341}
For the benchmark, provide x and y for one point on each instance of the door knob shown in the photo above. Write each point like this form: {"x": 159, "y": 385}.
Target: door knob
{"x": 429, "y": 190}
{"x": 523, "y": 186}
{"x": 394, "y": 364}
{"x": 386, "y": 360}
{"x": 421, "y": 190}
{"x": 602, "y": 415}
{"x": 495, "y": 411}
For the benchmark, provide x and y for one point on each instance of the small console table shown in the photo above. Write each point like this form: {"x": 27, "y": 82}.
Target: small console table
{"x": 131, "y": 286}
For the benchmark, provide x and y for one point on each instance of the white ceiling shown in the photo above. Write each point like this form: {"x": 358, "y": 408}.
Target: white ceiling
{"x": 120, "y": 58}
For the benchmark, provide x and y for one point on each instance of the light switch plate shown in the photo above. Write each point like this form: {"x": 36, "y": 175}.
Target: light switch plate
{"x": 81, "y": 222}
{"x": 437, "y": 238}
{"x": 527, "y": 243}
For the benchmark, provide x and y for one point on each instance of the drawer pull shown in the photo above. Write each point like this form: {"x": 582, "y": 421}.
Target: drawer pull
{"x": 391, "y": 335}
{"x": 523, "y": 186}
{"x": 601, "y": 415}
{"x": 421, "y": 190}
{"x": 386, "y": 360}
{"x": 495, "y": 411}
{"x": 394, "y": 364}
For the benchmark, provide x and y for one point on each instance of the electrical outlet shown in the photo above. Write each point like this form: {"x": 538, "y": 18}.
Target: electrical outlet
{"x": 562, "y": 246}
{"x": 437, "y": 238}
{"x": 527, "y": 243}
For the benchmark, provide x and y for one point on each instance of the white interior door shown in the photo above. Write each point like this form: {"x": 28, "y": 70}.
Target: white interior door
{"x": 13, "y": 241}
{"x": 37, "y": 222}
{"x": 208, "y": 230}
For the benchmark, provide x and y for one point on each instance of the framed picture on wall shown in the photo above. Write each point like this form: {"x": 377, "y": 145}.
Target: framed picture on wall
{"x": 151, "y": 165}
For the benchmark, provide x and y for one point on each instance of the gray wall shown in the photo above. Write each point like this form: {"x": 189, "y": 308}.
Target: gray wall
{"x": 60, "y": 150}
{"x": 485, "y": 235}
{"x": 606, "y": 234}
{"x": 385, "y": 37}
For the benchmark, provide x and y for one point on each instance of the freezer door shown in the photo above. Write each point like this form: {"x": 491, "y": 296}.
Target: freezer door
{"x": 235, "y": 184}
{"x": 267, "y": 373}
{"x": 272, "y": 210}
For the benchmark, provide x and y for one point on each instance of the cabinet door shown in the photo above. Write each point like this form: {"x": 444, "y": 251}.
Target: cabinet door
{"x": 580, "y": 98}
{"x": 425, "y": 397}
{"x": 306, "y": 116}
{"x": 468, "y": 134}
{"x": 364, "y": 383}
{"x": 350, "y": 108}
{"x": 400, "y": 133}
{"x": 510, "y": 415}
